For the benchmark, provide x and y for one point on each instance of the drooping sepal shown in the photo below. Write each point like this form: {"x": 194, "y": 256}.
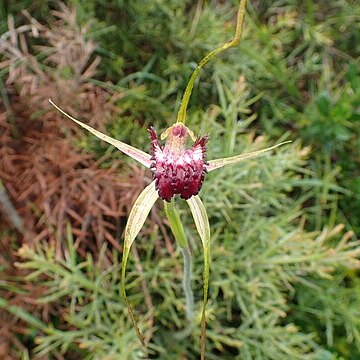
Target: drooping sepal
{"x": 137, "y": 217}
{"x": 203, "y": 228}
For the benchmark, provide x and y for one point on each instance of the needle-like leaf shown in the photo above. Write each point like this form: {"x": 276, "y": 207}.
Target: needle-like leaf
{"x": 141, "y": 156}
{"x": 202, "y": 225}
{"x": 218, "y": 163}
{"x": 137, "y": 217}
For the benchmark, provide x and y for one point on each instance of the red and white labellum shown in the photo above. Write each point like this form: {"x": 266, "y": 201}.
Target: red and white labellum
{"x": 178, "y": 170}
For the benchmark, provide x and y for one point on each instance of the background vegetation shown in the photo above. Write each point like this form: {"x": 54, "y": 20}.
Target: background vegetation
{"x": 284, "y": 283}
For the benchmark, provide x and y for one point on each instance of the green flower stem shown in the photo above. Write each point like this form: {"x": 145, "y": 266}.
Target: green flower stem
{"x": 189, "y": 295}
{"x": 179, "y": 234}
{"x": 181, "y": 117}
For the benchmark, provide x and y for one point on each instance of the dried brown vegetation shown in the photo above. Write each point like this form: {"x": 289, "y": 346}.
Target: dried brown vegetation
{"x": 47, "y": 183}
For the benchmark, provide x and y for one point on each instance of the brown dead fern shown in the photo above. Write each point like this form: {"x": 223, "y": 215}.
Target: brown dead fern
{"x": 64, "y": 74}
{"x": 48, "y": 182}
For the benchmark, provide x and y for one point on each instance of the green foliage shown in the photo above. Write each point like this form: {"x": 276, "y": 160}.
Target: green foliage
{"x": 282, "y": 284}
{"x": 304, "y": 59}
{"x": 260, "y": 255}
{"x": 88, "y": 293}
{"x": 331, "y": 307}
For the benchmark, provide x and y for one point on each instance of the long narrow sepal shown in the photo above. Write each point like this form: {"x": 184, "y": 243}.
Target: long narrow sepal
{"x": 181, "y": 116}
{"x": 137, "y": 217}
{"x": 202, "y": 225}
{"x": 138, "y": 155}
{"x": 218, "y": 163}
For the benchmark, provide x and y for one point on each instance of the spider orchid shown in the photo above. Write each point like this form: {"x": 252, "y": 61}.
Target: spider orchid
{"x": 177, "y": 170}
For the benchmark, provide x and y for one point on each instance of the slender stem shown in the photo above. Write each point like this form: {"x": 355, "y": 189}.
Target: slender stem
{"x": 189, "y": 295}
{"x": 181, "y": 117}
{"x": 180, "y": 236}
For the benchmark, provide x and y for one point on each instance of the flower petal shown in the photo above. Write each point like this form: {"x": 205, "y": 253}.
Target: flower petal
{"x": 177, "y": 170}
{"x": 141, "y": 156}
{"x": 137, "y": 217}
{"x": 218, "y": 163}
{"x": 202, "y": 225}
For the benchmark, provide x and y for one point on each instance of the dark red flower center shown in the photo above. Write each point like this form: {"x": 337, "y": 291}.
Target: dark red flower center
{"x": 177, "y": 170}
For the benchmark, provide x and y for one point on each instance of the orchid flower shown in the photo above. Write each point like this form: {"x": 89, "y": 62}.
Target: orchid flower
{"x": 177, "y": 170}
